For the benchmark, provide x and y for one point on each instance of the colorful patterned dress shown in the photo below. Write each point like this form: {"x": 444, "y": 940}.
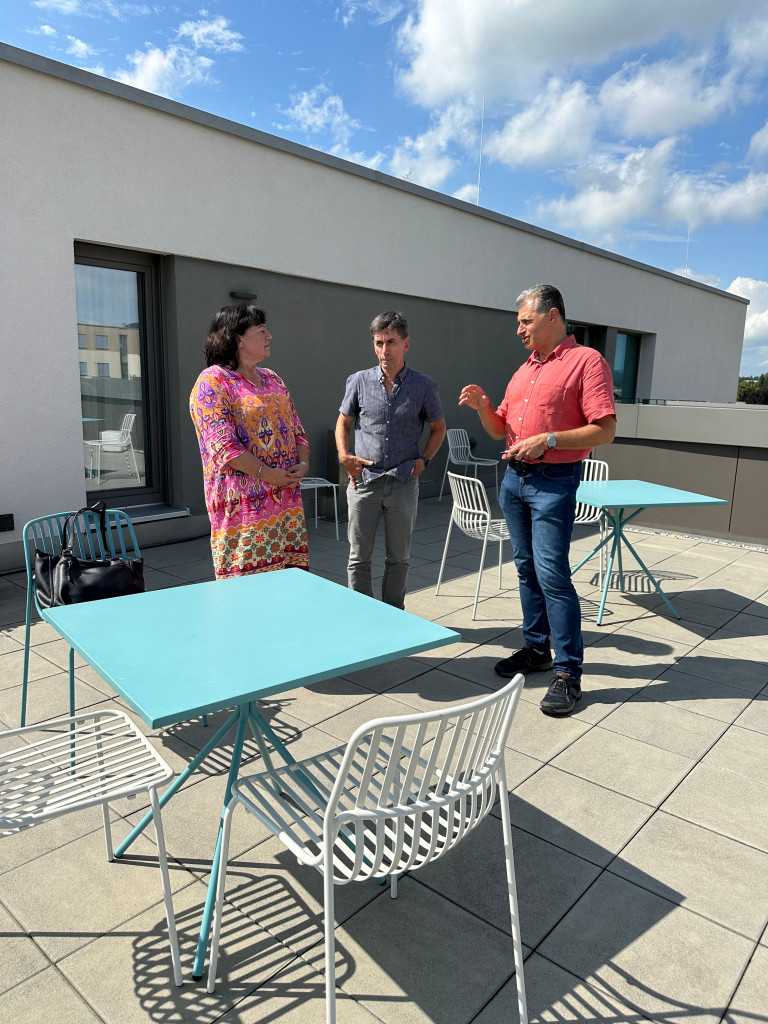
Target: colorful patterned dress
{"x": 255, "y": 527}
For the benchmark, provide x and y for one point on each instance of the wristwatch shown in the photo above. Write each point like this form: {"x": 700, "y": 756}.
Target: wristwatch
{"x": 425, "y": 461}
{"x": 551, "y": 441}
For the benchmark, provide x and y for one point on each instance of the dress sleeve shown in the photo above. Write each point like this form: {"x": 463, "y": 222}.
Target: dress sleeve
{"x": 211, "y": 410}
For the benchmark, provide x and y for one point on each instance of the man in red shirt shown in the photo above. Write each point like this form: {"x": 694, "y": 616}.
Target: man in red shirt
{"x": 557, "y": 407}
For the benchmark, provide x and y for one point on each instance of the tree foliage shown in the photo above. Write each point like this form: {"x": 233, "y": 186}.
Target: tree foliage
{"x": 753, "y": 390}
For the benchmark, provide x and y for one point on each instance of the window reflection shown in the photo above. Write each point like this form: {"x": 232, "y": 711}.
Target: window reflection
{"x": 111, "y": 338}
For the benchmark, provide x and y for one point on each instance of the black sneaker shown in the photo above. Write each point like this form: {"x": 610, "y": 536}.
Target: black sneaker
{"x": 563, "y": 692}
{"x": 527, "y": 659}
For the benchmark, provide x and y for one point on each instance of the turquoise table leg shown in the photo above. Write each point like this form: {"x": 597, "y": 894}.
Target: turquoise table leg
{"x": 177, "y": 783}
{"x": 608, "y": 574}
{"x": 619, "y": 515}
{"x": 210, "y": 900}
{"x": 648, "y": 573}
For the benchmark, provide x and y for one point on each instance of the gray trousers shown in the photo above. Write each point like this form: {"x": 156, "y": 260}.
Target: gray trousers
{"x": 397, "y": 502}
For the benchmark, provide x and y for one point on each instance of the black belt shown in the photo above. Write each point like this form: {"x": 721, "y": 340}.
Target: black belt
{"x": 524, "y": 468}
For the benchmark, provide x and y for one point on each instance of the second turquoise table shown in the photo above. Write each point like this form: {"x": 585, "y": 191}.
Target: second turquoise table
{"x": 178, "y": 653}
{"x": 621, "y": 501}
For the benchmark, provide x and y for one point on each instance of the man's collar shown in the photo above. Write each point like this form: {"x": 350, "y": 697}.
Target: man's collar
{"x": 399, "y": 378}
{"x": 562, "y": 348}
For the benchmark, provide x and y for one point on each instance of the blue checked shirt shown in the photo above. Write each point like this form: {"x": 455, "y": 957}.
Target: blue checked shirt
{"x": 388, "y": 427}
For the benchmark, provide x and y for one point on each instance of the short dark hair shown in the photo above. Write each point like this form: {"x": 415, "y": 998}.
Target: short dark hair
{"x": 390, "y": 321}
{"x": 226, "y": 327}
{"x": 546, "y": 296}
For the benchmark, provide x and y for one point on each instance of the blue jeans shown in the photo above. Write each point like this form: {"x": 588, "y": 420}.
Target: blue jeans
{"x": 397, "y": 503}
{"x": 539, "y": 509}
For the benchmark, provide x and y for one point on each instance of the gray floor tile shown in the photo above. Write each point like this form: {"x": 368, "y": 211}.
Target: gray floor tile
{"x": 12, "y": 668}
{"x": 549, "y": 879}
{"x": 413, "y": 980}
{"x": 735, "y": 667}
{"x": 313, "y": 704}
{"x": 21, "y": 957}
{"x": 755, "y": 715}
{"x": 669, "y": 963}
{"x": 613, "y": 761}
{"x": 724, "y": 802}
{"x": 542, "y": 736}
{"x": 585, "y": 819}
{"x": 32, "y": 1001}
{"x": 750, "y": 1002}
{"x": 719, "y": 878}
{"x": 664, "y": 725}
{"x": 554, "y": 995}
{"x": 742, "y": 751}
{"x": 697, "y": 695}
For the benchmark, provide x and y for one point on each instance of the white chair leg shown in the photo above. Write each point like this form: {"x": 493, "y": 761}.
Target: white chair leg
{"x": 135, "y": 463}
{"x": 445, "y": 474}
{"x": 496, "y": 474}
{"x": 167, "y": 897}
{"x": 512, "y": 891}
{"x": 501, "y": 546}
{"x": 445, "y": 553}
{"x": 224, "y": 856}
{"x": 393, "y": 886}
{"x": 107, "y": 831}
{"x": 330, "y": 942}
{"x": 480, "y": 577}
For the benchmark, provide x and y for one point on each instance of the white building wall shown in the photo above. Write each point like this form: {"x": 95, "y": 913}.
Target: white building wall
{"x": 83, "y": 164}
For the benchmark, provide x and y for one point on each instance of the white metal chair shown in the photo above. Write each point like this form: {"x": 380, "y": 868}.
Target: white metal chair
{"x": 314, "y": 483}
{"x": 45, "y": 534}
{"x": 593, "y": 469}
{"x": 472, "y": 514}
{"x": 460, "y": 454}
{"x": 400, "y": 794}
{"x": 114, "y": 441}
{"x": 79, "y": 762}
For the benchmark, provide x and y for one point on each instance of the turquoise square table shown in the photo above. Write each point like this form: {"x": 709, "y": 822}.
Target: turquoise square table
{"x": 178, "y": 653}
{"x": 621, "y": 501}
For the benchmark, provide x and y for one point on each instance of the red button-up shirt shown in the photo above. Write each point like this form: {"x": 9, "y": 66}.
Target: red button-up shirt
{"x": 572, "y": 387}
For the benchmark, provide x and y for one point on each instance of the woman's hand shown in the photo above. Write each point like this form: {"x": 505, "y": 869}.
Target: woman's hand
{"x": 275, "y": 476}
{"x": 298, "y": 472}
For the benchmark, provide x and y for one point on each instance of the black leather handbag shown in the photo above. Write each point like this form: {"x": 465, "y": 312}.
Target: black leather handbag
{"x": 67, "y": 579}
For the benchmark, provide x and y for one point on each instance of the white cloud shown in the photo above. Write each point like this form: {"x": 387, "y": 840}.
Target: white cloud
{"x": 758, "y": 144}
{"x": 60, "y": 6}
{"x": 507, "y": 47}
{"x": 708, "y": 199}
{"x": 166, "y": 72}
{"x": 318, "y": 111}
{"x": 378, "y": 11}
{"x": 77, "y": 48}
{"x": 467, "y": 192}
{"x": 427, "y": 158}
{"x": 614, "y": 191}
{"x": 557, "y": 128}
{"x": 710, "y": 279}
{"x": 213, "y": 35}
{"x": 756, "y": 328}
{"x": 668, "y": 96}
{"x": 42, "y": 30}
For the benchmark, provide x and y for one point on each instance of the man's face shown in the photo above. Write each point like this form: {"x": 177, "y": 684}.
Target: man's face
{"x": 537, "y": 331}
{"x": 390, "y": 350}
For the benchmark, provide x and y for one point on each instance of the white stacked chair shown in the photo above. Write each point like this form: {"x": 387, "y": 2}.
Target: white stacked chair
{"x": 68, "y": 764}
{"x": 460, "y": 454}
{"x": 402, "y": 793}
{"x": 114, "y": 441}
{"x": 472, "y": 515}
{"x": 593, "y": 469}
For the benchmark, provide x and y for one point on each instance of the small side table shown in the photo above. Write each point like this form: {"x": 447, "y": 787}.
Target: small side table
{"x": 314, "y": 483}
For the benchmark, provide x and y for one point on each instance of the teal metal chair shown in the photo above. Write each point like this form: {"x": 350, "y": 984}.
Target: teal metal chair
{"x": 45, "y": 534}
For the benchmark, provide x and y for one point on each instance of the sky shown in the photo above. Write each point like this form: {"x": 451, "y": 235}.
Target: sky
{"x": 639, "y": 127}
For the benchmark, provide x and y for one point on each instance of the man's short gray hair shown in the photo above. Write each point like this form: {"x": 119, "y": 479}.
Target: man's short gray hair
{"x": 390, "y": 321}
{"x": 546, "y": 297}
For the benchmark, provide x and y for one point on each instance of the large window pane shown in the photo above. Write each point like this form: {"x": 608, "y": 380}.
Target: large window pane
{"x": 111, "y": 320}
{"x": 625, "y": 367}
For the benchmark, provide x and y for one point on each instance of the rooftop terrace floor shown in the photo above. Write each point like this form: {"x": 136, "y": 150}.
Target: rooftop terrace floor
{"x": 640, "y": 822}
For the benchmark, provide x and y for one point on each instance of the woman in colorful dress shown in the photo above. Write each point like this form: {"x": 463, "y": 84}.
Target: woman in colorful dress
{"x": 253, "y": 447}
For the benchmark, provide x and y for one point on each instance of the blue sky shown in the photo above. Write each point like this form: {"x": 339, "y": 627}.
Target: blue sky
{"x": 639, "y": 127}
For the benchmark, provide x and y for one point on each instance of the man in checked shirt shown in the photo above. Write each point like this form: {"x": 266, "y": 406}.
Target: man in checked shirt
{"x": 557, "y": 407}
{"x": 388, "y": 405}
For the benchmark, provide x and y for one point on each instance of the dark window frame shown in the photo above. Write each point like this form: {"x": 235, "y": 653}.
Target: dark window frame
{"x": 148, "y": 267}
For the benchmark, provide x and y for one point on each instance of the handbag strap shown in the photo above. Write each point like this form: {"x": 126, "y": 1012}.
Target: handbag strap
{"x": 99, "y": 509}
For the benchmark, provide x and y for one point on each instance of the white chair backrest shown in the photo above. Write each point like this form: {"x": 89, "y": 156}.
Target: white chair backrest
{"x": 592, "y": 469}
{"x": 126, "y": 427}
{"x": 458, "y": 445}
{"x": 471, "y": 510}
{"x": 420, "y": 783}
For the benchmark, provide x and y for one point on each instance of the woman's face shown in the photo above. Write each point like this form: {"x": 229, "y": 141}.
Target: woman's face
{"x": 253, "y": 345}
